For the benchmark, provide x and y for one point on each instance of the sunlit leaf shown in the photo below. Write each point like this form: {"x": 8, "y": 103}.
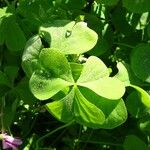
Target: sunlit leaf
{"x": 93, "y": 69}
{"x": 56, "y": 63}
{"x": 68, "y": 36}
{"x": 110, "y": 88}
{"x": 122, "y": 74}
{"x": 43, "y": 85}
{"x": 31, "y": 54}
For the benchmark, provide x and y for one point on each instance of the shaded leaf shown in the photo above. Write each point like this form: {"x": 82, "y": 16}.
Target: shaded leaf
{"x": 135, "y": 106}
{"x": 62, "y": 109}
{"x": 133, "y": 142}
{"x": 144, "y": 96}
{"x": 87, "y": 113}
{"x": 141, "y": 68}
{"x": 15, "y": 38}
{"x": 115, "y": 111}
{"x": 108, "y": 2}
{"x": 135, "y": 6}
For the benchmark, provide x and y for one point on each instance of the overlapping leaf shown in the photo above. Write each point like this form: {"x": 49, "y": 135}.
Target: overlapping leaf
{"x": 98, "y": 81}
{"x": 55, "y": 76}
{"x": 87, "y": 113}
{"x": 62, "y": 109}
{"x": 69, "y": 37}
{"x": 31, "y": 54}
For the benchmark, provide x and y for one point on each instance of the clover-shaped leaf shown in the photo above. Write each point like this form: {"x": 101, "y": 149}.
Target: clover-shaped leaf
{"x": 68, "y": 36}
{"x": 55, "y": 74}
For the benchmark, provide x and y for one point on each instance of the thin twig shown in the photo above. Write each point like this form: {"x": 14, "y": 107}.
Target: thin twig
{"x": 50, "y": 133}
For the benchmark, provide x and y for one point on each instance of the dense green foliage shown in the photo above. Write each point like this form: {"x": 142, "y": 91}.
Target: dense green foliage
{"x": 75, "y": 74}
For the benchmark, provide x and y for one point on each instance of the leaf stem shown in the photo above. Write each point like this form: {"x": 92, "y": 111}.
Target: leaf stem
{"x": 101, "y": 143}
{"x": 123, "y": 44}
{"x": 50, "y": 133}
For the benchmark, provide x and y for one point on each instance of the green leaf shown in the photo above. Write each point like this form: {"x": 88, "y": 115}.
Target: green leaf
{"x": 43, "y": 85}
{"x": 11, "y": 72}
{"x": 24, "y": 93}
{"x": 141, "y": 68}
{"x": 110, "y": 88}
{"x": 3, "y": 24}
{"x": 2, "y": 30}
{"x": 144, "y": 96}
{"x": 56, "y": 62}
{"x": 148, "y": 30}
{"x": 15, "y": 38}
{"x": 144, "y": 124}
{"x": 3, "y": 12}
{"x": 11, "y": 102}
{"x": 31, "y": 54}
{"x": 135, "y": 6}
{"x": 122, "y": 74}
{"x": 76, "y": 70}
{"x": 117, "y": 117}
{"x": 93, "y": 69}
{"x": 87, "y": 113}
{"x": 135, "y": 106}
{"x": 62, "y": 109}
{"x": 69, "y": 37}
{"x": 133, "y": 142}
{"x": 4, "y": 80}
{"x": 120, "y": 22}
{"x": 115, "y": 111}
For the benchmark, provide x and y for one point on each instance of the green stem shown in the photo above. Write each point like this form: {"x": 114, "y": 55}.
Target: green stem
{"x": 2, "y": 113}
{"x": 101, "y": 143}
{"x": 123, "y": 44}
{"x": 50, "y": 133}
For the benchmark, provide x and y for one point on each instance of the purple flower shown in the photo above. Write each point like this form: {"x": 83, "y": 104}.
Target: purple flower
{"x": 10, "y": 142}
